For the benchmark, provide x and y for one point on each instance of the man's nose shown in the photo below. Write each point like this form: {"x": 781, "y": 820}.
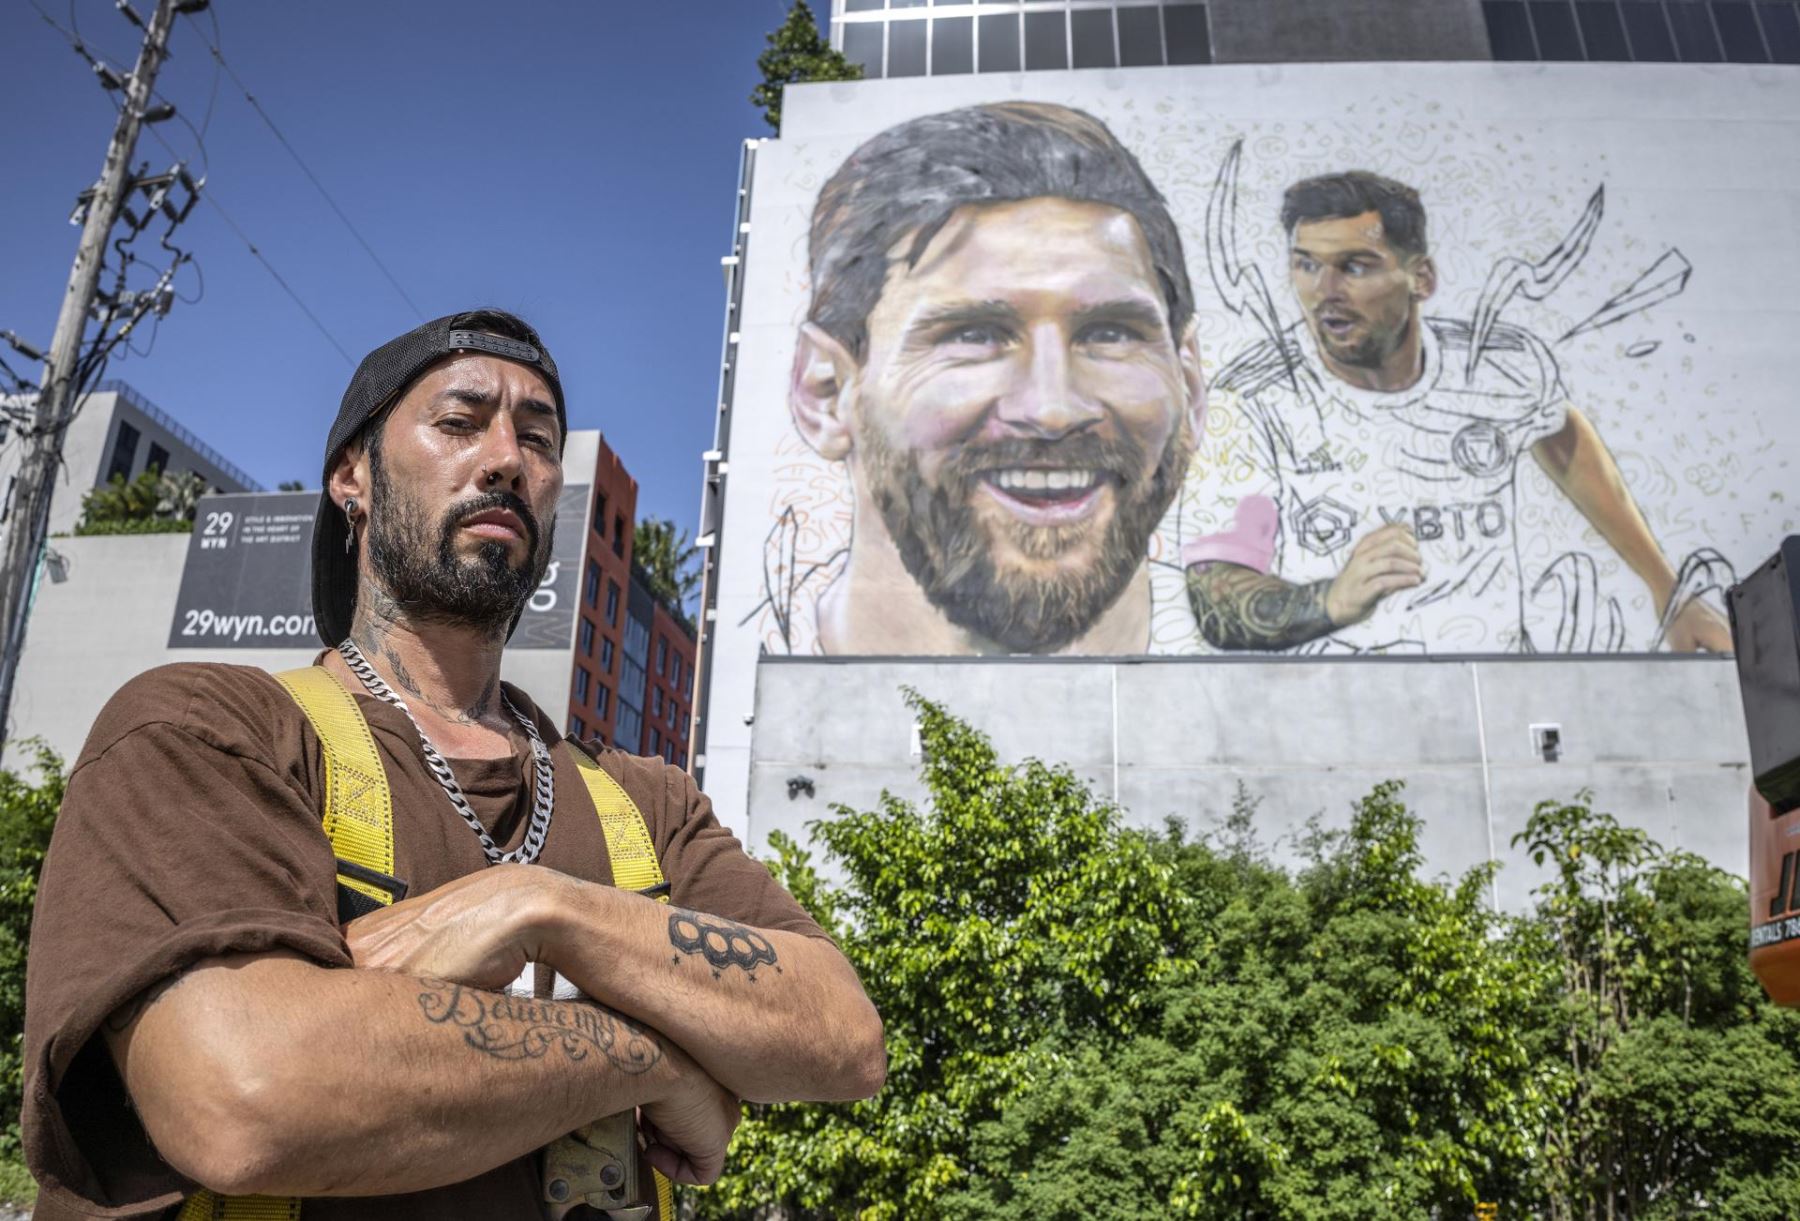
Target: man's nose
{"x": 1048, "y": 399}
{"x": 502, "y": 460}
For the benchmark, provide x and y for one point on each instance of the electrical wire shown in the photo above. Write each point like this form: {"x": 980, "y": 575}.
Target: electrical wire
{"x": 213, "y": 200}
{"x": 219, "y": 58}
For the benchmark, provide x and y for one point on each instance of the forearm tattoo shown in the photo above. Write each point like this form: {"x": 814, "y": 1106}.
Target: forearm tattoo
{"x": 1240, "y": 608}
{"x": 722, "y": 943}
{"x": 520, "y": 1028}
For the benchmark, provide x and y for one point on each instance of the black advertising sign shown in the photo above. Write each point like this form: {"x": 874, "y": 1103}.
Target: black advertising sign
{"x": 247, "y": 580}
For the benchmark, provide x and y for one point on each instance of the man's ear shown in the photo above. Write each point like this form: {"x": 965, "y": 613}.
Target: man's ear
{"x": 350, "y": 476}
{"x": 822, "y": 369}
{"x": 1424, "y": 275}
{"x": 1193, "y": 376}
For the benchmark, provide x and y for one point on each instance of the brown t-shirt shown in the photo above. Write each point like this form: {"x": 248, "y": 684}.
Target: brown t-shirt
{"x": 191, "y": 828}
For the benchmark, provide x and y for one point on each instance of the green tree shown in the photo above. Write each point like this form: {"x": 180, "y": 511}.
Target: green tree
{"x": 797, "y": 52}
{"x": 27, "y": 813}
{"x": 1680, "y": 1081}
{"x": 153, "y": 503}
{"x": 1088, "y": 1020}
{"x": 667, "y": 558}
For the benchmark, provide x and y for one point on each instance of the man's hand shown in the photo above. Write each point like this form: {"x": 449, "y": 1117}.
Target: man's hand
{"x": 686, "y": 1136}
{"x": 479, "y": 930}
{"x": 1382, "y": 562}
{"x": 1698, "y": 628}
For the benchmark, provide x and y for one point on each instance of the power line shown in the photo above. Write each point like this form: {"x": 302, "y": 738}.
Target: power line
{"x": 219, "y": 57}
{"x": 212, "y": 199}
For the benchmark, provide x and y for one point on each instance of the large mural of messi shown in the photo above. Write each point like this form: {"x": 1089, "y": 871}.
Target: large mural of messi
{"x": 1042, "y": 402}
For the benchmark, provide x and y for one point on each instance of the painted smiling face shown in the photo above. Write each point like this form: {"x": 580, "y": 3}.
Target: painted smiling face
{"x": 1024, "y": 415}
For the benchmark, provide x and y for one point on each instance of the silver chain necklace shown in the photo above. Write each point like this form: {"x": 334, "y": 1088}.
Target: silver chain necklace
{"x": 545, "y": 796}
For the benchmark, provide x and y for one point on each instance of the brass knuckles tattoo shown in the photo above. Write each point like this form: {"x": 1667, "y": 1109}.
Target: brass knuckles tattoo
{"x": 515, "y": 1028}
{"x": 723, "y": 943}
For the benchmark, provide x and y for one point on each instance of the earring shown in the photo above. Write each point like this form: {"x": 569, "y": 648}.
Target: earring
{"x": 350, "y": 521}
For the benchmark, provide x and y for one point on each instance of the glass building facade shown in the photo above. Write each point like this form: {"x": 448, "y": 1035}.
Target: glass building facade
{"x": 933, "y": 38}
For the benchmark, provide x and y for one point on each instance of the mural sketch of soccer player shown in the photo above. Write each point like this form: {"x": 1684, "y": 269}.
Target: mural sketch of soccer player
{"x": 1385, "y": 444}
{"x": 1000, "y": 346}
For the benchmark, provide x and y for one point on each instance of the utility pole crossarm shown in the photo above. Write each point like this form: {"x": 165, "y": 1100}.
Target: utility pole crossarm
{"x": 35, "y": 481}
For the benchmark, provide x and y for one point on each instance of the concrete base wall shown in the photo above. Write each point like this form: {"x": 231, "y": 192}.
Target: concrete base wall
{"x": 1660, "y": 741}
{"x": 1319, "y": 31}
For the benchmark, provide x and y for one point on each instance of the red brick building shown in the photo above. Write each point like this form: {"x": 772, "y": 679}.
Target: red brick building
{"x": 632, "y": 680}
{"x": 601, "y": 602}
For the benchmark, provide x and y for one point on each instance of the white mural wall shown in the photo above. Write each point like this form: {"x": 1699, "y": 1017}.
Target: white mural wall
{"x": 1562, "y": 426}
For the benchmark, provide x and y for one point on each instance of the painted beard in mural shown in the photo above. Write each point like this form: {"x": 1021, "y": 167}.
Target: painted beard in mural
{"x": 416, "y": 559}
{"x": 1065, "y": 575}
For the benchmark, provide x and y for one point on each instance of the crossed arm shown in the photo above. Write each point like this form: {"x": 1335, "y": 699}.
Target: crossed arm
{"x": 270, "y": 1074}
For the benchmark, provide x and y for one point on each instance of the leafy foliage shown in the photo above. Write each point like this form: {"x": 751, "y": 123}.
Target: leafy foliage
{"x": 797, "y": 52}
{"x": 27, "y": 813}
{"x": 667, "y": 559}
{"x": 153, "y": 503}
{"x": 1089, "y": 1020}
{"x": 290, "y": 485}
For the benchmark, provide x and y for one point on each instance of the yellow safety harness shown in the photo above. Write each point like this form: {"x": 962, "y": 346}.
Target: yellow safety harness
{"x": 359, "y": 822}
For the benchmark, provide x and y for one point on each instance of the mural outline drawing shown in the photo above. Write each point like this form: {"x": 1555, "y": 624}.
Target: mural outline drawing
{"x": 1387, "y": 442}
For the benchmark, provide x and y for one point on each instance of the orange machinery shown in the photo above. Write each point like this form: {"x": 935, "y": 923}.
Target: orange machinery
{"x": 1765, "y": 634}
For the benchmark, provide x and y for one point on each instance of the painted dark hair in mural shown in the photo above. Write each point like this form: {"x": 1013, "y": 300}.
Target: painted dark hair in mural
{"x": 912, "y": 177}
{"x": 1353, "y": 192}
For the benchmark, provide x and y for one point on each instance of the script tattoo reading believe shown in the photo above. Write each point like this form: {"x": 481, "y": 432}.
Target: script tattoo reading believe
{"x": 723, "y": 943}
{"x": 516, "y": 1028}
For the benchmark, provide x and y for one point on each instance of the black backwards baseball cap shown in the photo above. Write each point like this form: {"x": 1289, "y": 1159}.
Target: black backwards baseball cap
{"x": 378, "y": 383}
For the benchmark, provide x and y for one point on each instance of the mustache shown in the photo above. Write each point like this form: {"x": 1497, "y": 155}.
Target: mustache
{"x": 1120, "y": 457}
{"x": 484, "y": 501}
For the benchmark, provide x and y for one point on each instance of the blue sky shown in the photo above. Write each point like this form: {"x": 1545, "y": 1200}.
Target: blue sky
{"x": 574, "y": 160}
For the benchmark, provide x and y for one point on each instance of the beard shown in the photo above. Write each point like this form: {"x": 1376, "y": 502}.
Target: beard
{"x": 950, "y": 549}
{"x": 1372, "y": 350}
{"x": 416, "y": 563}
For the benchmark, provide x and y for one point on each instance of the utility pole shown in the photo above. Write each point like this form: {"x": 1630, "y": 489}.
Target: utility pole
{"x": 43, "y": 439}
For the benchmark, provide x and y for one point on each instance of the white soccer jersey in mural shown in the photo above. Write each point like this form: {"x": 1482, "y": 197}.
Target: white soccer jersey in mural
{"x": 1441, "y": 457}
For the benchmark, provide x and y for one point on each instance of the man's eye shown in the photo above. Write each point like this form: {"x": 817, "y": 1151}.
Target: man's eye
{"x": 543, "y": 440}
{"x": 976, "y": 334}
{"x": 457, "y": 423}
{"x": 1306, "y": 265}
{"x": 1356, "y": 269}
{"x": 1108, "y": 333}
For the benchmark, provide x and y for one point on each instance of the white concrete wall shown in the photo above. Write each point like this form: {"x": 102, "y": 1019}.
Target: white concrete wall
{"x": 1660, "y": 741}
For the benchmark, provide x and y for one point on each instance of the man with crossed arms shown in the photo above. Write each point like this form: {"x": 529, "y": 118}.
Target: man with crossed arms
{"x": 198, "y": 1018}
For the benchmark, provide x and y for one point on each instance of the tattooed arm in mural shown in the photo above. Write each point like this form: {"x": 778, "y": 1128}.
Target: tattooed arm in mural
{"x": 772, "y": 1016}
{"x": 1579, "y": 463}
{"x": 1237, "y": 607}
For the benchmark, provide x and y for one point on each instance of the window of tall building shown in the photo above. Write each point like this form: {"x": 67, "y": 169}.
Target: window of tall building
{"x": 1046, "y": 41}
{"x": 1091, "y": 38}
{"x": 600, "y": 514}
{"x": 584, "y": 636}
{"x": 590, "y": 587}
{"x": 158, "y": 459}
{"x": 952, "y": 46}
{"x": 582, "y": 679}
{"x": 578, "y": 729}
{"x": 628, "y": 733}
{"x": 662, "y": 653}
{"x": 124, "y": 453}
{"x": 675, "y": 671}
{"x": 606, "y": 654}
{"x": 612, "y": 604}
{"x": 656, "y": 701}
{"x": 999, "y": 44}
{"x": 681, "y": 760}
{"x": 637, "y": 642}
{"x": 1073, "y": 33}
{"x": 656, "y": 742}
{"x": 1645, "y": 31}
{"x": 602, "y": 699}
{"x": 618, "y": 535}
{"x": 906, "y": 47}
{"x": 1186, "y": 35}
